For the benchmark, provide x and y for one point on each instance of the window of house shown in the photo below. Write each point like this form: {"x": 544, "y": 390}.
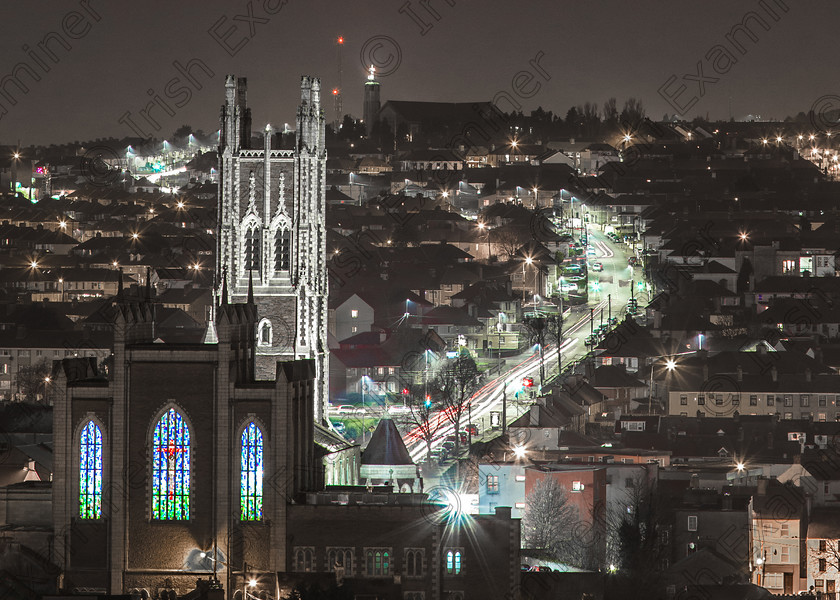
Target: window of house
{"x": 683, "y": 400}
{"x": 771, "y": 400}
{"x": 753, "y": 400}
{"x": 788, "y": 400}
{"x": 785, "y": 554}
{"x": 414, "y": 595}
{"x": 822, "y": 545}
{"x": 822, "y": 565}
{"x": 718, "y": 399}
{"x": 692, "y": 523}
{"x": 492, "y": 484}
{"x": 821, "y": 417}
{"x": 520, "y": 478}
{"x": 701, "y": 400}
{"x": 788, "y": 266}
{"x": 784, "y": 530}
{"x": 804, "y": 400}
{"x": 822, "y": 400}
{"x": 736, "y": 399}
{"x": 788, "y": 415}
{"x": 354, "y": 314}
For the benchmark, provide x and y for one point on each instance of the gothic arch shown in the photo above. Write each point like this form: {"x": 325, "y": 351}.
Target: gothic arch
{"x": 265, "y": 333}
{"x": 90, "y": 417}
{"x": 240, "y": 457}
{"x": 187, "y": 468}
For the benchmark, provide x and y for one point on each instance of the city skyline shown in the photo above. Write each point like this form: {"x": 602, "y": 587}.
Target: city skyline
{"x": 424, "y": 52}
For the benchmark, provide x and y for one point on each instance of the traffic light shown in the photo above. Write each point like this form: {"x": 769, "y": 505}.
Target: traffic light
{"x": 405, "y": 392}
{"x": 527, "y": 382}
{"x": 428, "y": 402}
{"x": 641, "y": 285}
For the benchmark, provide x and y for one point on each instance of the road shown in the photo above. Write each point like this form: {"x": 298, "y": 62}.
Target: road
{"x": 490, "y": 397}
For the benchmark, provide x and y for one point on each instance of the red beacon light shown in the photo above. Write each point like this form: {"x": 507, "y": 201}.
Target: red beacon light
{"x": 528, "y": 382}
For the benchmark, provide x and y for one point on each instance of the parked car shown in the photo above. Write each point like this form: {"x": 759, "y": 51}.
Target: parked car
{"x": 346, "y": 409}
{"x": 541, "y": 569}
{"x": 448, "y": 445}
{"x": 471, "y": 429}
{"x": 596, "y": 266}
{"x": 591, "y": 340}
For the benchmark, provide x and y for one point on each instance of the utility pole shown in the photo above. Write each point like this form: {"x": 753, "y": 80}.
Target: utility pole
{"x": 609, "y": 307}
{"x": 591, "y": 321}
{"x": 504, "y": 407}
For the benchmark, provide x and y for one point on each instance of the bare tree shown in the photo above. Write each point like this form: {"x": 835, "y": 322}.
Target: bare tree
{"x": 508, "y": 240}
{"x": 550, "y": 522}
{"x": 33, "y": 381}
{"x": 454, "y": 385}
{"x": 423, "y": 417}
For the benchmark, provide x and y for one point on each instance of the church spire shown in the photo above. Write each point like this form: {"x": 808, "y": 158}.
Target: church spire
{"x": 224, "y": 299}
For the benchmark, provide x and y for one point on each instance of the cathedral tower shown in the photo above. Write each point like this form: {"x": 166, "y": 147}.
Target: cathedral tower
{"x": 272, "y": 234}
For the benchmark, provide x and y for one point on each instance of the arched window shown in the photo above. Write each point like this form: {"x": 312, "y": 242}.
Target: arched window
{"x": 413, "y": 563}
{"x": 90, "y": 472}
{"x": 453, "y": 562}
{"x": 171, "y": 468}
{"x": 264, "y": 335}
{"x": 282, "y": 249}
{"x": 251, "y": 486}
{"x": 340, "y": 558}
{"x": 304, "y": 560}
{"x": 378, "y": 562}
{"x": 252, "y": 250}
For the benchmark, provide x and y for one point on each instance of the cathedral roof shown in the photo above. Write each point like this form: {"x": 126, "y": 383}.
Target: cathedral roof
{"x": 386, "y": 446}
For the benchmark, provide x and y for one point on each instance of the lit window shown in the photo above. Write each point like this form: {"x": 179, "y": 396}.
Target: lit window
{"x": 171, "y": 468}
{"x": 520, "y": 478}
{"x": 492, "y": 484}
{"x": 90, "y": 472}
{"x": 378, "y": 562}
{"x": 520, "y": 505}
{"x": 251, "y": 483}
{"x": 577, "y": 486}
{"x": 354, "y": 314}
{"x": 453, "y": 562}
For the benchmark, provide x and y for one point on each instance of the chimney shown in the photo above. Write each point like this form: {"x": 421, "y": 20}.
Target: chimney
{"x": 740, "y": 373}
{"x": 774, "y": 374}
{"x": 808, "y": 375}
{"x": 534, "y": 418}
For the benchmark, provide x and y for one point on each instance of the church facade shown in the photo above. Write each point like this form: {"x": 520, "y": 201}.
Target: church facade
{"x": 271, "y": 230}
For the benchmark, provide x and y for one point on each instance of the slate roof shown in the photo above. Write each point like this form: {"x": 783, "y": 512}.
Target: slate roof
{"x": 386, "y": 446}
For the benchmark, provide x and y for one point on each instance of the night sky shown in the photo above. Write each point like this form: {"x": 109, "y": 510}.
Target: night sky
{"x": 592, "y": 50}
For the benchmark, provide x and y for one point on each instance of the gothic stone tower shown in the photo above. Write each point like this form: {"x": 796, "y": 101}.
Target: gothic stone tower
{"x": 272, "y": 232}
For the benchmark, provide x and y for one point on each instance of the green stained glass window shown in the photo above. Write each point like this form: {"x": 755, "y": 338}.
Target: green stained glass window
{"x": 251, "y": 483}
{"x": 90, "y": 472}
{"x": 171, "y": 468}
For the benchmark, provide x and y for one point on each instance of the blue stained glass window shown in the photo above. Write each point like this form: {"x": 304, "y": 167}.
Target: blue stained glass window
{"x": 90, "y": 472}
{"x": 251, "y": 486}
{"x": 171, "y": 468}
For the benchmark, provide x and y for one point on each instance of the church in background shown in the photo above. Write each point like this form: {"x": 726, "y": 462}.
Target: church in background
{"x": 271, "y": 230}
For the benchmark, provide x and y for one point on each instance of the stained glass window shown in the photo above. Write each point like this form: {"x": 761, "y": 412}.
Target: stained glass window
{"x": 171, "y": 468}
{"x": 282, "y": 250}
{"x": 90, "y": 472}
{"x": 251, "y": 487}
